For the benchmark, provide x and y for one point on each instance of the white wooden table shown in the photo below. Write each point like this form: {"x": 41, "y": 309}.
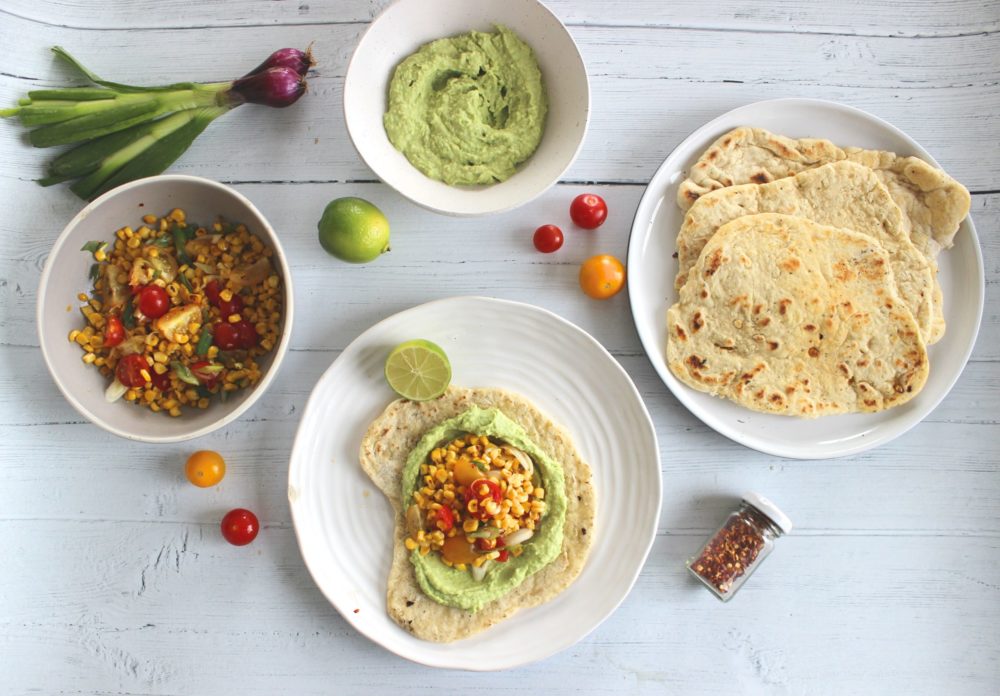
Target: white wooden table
{"x": 113, "y": 577}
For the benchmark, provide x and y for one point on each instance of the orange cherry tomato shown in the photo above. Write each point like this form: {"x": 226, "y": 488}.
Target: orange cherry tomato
{"x": 205, "y": 468}
{"x": 466, "y": 472}
{"x": 602, "y": 276}
{"x": 457, "y": 550}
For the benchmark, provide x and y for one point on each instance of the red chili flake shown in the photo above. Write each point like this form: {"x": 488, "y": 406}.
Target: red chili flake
{"x": 732, "y": 551}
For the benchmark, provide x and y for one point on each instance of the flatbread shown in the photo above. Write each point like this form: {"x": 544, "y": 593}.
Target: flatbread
{"x": 840, "y": 194}
{"x": 786, "y": 316}
{"x": 932, "y": 202}
{"x": 384, "y": 450}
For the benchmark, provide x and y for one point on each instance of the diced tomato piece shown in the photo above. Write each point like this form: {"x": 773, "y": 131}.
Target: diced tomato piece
{"x": 114, "y": 332}
{"x": 445, "y": 519}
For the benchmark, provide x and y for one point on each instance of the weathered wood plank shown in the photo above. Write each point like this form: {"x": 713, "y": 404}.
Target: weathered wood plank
{"x": 910, "y": 18}
{"x": 686, "y": 78}
{"x": 116, "y": 621}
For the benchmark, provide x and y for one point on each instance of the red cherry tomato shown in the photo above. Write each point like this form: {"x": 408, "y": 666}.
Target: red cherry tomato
{"x": 153, "y": 301}
{"x": 114, "y": 332}
{"x": 475, "y": 493}
{"x": 233, "y": 306}
{"x": 212, "y": 292}
{"x": 240, "y": 527}
{"x": 548, "y": 238}
{"x": 161, "y": 382}
{"x": 504, "y": 555}
{"x": 129, "y": 370}
{"x": 246, "y": 334}
{"x": 445, "y": 519}
{"x": 226, "y": 336}
{"x": 208, "y": 377}
{"x": 588, "y": 211}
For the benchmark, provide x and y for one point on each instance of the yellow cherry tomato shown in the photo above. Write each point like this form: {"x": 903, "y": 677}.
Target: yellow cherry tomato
{"x": 205, "y": 468}
{"x": 602, "y": 276}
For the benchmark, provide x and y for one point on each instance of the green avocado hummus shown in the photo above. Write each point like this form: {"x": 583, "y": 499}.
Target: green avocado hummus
{"x": 457, "y": 588}
{"x": 468, "y": 109}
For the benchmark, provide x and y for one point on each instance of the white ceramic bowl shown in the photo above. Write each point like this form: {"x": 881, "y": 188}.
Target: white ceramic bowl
{"x": 408, "y": 24}
{"x": 66, "y": 275}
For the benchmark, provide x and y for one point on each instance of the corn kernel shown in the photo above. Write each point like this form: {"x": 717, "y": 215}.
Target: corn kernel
{"x": 99, "y": 255}
{"x": 226, "y": 294}
{"x": 82, "y": 297}
{"x": 149, "y": 219}
{"x": 182, "y": 338}
{"x": 410, "y": 544}
{"x": 73, "y": 334}
{"x": 89, "y": 358}
{"x": 213, "y": 351}
{"x": 131, "y": 395}
{"x": 159, "y": 368}
{"x": 233, "y": 318}
{"x": 175, "y": 411}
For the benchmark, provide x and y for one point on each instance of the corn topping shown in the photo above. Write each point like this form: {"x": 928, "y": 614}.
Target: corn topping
{"x": 471, "y": 494}
{"x": 186, "y": 364}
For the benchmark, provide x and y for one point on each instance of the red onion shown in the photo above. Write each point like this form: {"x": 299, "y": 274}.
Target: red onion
{"x": 277, "y": 87}
{"x": 299, "y": 61}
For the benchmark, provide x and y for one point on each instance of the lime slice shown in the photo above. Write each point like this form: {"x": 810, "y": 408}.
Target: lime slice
{"x": 418, "y": 370}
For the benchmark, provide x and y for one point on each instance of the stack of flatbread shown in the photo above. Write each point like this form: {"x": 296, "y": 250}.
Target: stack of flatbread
{"x": 807, "y": 277}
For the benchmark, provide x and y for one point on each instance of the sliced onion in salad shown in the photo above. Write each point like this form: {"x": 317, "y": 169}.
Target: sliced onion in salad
{"x": 524, "y": 459}
{"x": 479, "y": 572}
{"x": 519, "y": 537}
{"x": 115, "y": 391}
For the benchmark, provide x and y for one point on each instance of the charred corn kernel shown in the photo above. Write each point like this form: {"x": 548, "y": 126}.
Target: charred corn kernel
{"x": 175, "y": 411}
{"x": 149, "y": 219}
{"x": 203, "y": 402}
{"x": 89, "y": 358}
{"x": 99, "y": 361}
{"x": 193, "y": 328}
{"x": 410, "y": 544}
{"x": 177, "y": 215}
{"x": 149, "y": 395}
{"x": 191, "y": 394}
{"x": 187, "y": 349}
{"x": 272, "y": 281}
{"x": 182, "y": 338}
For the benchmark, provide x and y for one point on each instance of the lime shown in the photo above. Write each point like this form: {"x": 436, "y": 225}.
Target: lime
{"x": 418, "y": 370}
{"x": 354, "y": 230}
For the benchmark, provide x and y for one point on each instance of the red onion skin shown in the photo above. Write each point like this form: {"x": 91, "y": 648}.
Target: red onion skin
{"x": 277, "y": 87}
{"x": 297, "y": 60}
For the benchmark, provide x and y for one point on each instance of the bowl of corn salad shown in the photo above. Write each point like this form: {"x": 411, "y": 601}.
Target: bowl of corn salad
{"x": 165, "y": 308}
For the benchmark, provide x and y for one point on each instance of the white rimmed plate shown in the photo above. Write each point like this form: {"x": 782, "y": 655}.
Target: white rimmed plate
{"x": 344, "y": 524}
{"x": 652, "y": 268}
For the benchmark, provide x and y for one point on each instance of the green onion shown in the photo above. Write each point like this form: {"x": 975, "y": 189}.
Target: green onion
{"x": 180, "y": 239}
{"x": 126, "y": 132}
{"x": 185, "y": 282}
{"x": 184, "y": 374}
{"x": 95, "y": 272}
{"x": 203, "y": 343}
{"x": 94, "y": 246}
{"x": 128, "y": 314}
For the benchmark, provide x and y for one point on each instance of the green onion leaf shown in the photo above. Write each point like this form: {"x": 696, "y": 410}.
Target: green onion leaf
{"x": 180, "y": 239}
{"x": 163, "y": 240}
{"x": 203, "y": 343}
{"x": 94, "y": 246}
{"x": 65, "y": 55}
{"x": 95, "y": 272}
{"x": 128, "y": 314}
{"x": 184, "y": 374}
{"x": 185, "y": 282}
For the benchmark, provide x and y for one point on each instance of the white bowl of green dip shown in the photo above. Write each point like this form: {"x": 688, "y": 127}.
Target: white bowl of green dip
{"x": 467, "y": 108}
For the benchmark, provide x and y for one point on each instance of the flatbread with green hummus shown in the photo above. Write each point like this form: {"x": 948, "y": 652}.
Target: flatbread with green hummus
{"x": 401, "y": 434}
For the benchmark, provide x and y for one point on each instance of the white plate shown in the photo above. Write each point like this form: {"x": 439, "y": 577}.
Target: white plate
{"x": 652, "y": 267}
{"x": 345, "y": 525}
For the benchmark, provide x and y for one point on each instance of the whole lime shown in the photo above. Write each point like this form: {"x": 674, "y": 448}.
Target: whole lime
{"x": 354, "y": 230}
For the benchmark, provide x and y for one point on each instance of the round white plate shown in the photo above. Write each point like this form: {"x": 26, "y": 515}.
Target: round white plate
{"x": 345, "y": 525}
{"x": 652, "y": 267}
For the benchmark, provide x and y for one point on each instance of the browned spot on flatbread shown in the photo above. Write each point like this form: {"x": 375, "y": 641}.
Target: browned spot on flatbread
{"x": 791, "y": 265}
{"x": 760, "y": 178}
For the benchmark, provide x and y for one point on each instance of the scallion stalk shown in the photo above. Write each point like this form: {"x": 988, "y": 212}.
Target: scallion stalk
{"x": 125, "y": 132}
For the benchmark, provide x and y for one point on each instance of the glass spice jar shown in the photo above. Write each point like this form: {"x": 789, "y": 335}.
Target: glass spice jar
{"x": 733, "y": 553}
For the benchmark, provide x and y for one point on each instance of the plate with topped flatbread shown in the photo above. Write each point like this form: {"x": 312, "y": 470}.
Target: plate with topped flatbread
{"x": 805, "y": 278}
{"x": 545, "y": 418}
